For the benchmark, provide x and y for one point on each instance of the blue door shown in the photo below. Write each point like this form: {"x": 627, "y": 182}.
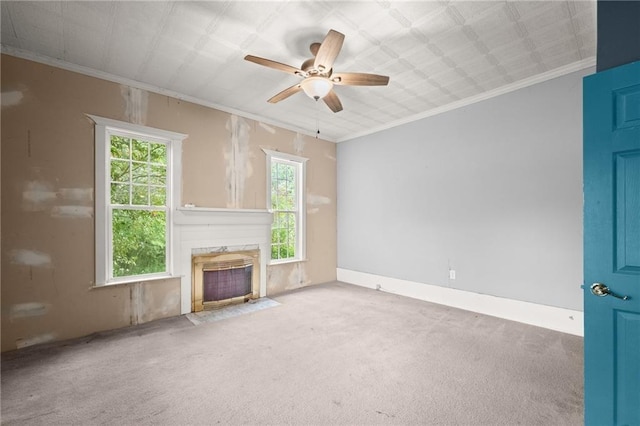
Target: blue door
{"x": 612, "y": 246}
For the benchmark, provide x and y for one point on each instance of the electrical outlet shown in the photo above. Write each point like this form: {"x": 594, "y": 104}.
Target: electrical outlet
{"x": 452, "y": 274}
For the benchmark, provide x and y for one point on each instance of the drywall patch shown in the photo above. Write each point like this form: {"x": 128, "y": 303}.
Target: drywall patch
{"x": 80, "y": 203}
{"x": 237, "y": 160}
{"x": 26, "y": 310}
{"x": 136, "y": 298}
{"x": 85, "y": 212}
{"x": 38, "y": 195}
{"x": 77, "y": 195}
{"x": 35, "y": 340}
{"x": 317, "y": 200}
{"x": 298, "y": 276}
{"x": 30, "y": 257}
{"x": 298, "y": 143}
{"x": 136, "y": 104}
{"x": 171, "y": 303}
{"x": 268, "y": 128}
{"x": 11, "y": 98}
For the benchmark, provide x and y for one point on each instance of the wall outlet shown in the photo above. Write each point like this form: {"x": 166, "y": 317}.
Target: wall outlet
{"x": 452, "y": 274}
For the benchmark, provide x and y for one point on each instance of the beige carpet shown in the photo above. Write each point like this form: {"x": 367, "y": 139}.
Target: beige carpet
{"x": 327, "y": 354}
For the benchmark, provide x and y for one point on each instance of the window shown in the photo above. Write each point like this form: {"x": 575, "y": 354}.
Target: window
{"x": 135, "y": 180}
{"x": 285, "y": 198}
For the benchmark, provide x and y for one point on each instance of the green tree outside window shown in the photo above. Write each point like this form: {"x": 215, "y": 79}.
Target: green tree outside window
{"x": 138, "y": 201}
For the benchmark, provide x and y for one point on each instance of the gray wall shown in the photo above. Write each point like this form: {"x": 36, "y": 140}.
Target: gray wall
{"x": 492, "y": 190}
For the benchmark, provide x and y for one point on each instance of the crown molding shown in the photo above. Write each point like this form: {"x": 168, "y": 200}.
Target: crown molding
{"x": 59, "y": 63}
{"x": 521, "y": 84}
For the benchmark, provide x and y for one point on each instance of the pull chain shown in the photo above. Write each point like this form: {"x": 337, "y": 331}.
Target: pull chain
{"x": 317, "y": 120}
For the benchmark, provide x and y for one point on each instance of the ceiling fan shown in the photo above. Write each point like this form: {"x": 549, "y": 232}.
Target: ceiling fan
{"x": 317, "y": 73}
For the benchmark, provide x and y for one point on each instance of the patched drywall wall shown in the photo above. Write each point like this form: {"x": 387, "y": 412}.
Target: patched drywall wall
{"x": 48, "y": 198}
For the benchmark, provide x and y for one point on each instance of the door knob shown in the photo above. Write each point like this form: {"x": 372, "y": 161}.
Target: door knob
{"x": 602, "y": 290}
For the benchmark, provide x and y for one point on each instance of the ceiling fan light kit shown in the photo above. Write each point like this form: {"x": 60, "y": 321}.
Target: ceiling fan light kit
{"x": 316, "y": 87}
{"x": 317, "y": 74}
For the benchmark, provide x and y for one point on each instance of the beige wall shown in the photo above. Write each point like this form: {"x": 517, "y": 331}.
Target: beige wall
{"x": 47, "y": 198}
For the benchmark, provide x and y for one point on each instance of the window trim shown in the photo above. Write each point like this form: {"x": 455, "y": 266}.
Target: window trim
{"x": 102, "y": 130}
{"x": 301, "y": 228}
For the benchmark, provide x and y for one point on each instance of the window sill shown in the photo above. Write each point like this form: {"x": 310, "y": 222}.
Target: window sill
{"x": 285, "y": 262}
{"x": 135, "y": 281}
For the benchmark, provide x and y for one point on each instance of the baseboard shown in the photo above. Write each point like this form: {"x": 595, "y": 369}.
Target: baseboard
{"x": 553, "y": 318}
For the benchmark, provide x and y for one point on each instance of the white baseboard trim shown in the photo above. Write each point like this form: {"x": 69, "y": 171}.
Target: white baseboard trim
{"x": 558, "y": 319}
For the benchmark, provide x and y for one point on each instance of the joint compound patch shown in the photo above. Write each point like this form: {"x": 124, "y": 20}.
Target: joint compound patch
{"x": 77, "y": 195}
{"x": 136, "y": 101}
{"x": 30, "y": 257}
{"x": 330, "y": 157}
{"x": 25, "y": 310}
{"x": 237, "y": 160}
{"x": 72, "y": 212}
{"x": 268, "y": 128}
{"x": 317, "y": 200}
{"x": 298, "y": 143}
{"x": 38, "y": 195}
{"x": 35, "y": 340}
{"x": 11, "y": 98}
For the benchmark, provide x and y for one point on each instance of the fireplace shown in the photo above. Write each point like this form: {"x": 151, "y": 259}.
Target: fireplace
{"x": 221, "y": 278}
{"x": 225, "y": 235}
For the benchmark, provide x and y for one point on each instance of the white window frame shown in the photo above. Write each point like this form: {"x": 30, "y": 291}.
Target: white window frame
{"x": 301, "y": 214}
{"x": 104, "y": 128}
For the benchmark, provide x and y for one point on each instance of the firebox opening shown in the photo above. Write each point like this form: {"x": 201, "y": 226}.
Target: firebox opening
{"x": 221, "y": 279}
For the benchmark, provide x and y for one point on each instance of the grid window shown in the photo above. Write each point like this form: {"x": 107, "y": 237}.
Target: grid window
{"x": 137, "y": 173}
{"x": 286, "y": 181}
{"x": 138, "y": 207}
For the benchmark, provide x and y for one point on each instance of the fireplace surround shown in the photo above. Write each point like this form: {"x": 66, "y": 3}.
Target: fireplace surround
{"x": 200, "y": 231}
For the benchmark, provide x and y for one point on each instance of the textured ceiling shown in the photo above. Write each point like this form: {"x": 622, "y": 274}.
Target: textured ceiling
{"x": 437, "y": 53}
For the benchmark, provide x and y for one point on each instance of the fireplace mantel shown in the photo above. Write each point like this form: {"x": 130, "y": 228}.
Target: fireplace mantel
{"x": 211, "y": 216}
{"x": 199, "y": 229}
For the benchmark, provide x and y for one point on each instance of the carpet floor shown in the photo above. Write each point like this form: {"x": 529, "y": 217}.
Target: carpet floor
{"x": 327, "y": 354}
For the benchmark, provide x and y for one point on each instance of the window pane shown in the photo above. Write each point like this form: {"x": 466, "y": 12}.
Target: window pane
{"x": 291, "y": 173}
{"x": 284, "y": 196}
{"x": 119, "y": 171}
{"x": 289, "y": 252}
{"x": 283, "y": 190}
{"x": 138, "y": 242}
{"x": 139, "y": 172}
{"x": 158, "y": 153}
{"x": 119, "y": 193}
{"x": 158, "y": 175}
{"x": 291, "y": 234}
{"x": 284, "y": 199}
{"x": 139, "y": 150}
{"x": 119, "y": 147}
{"x": 140, "y": 195}
{"x": 158, "y": 196}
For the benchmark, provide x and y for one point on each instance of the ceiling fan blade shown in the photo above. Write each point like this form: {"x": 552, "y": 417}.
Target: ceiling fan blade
{"x": 333, "y": 101}
{"x": 285, "y": 93}
{"x": 273, "y": 64}
{"x": 359, "y": 79}
{"x": 328, "y": 51}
